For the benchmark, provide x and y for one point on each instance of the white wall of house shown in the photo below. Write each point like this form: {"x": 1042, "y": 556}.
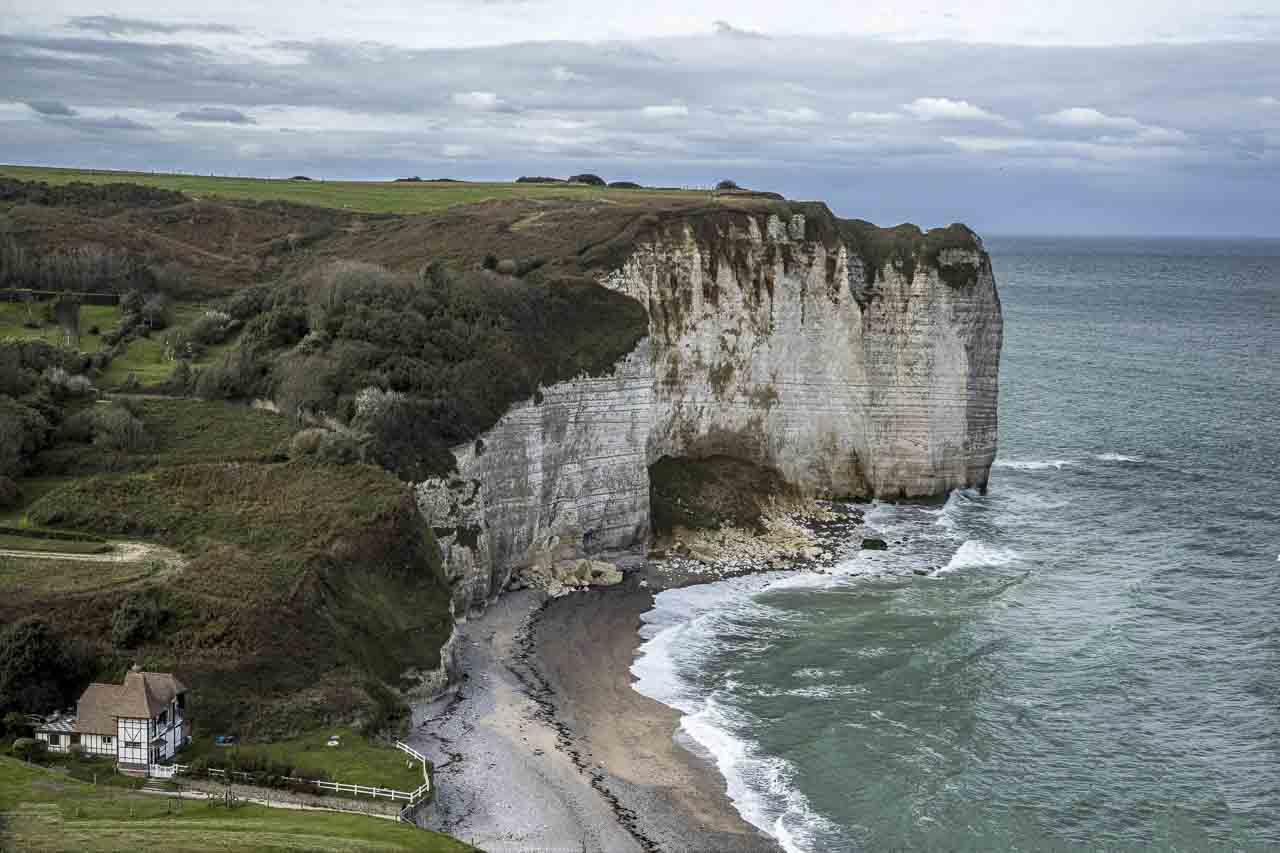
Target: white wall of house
{"x": 57, "y": 741}
{"x": 134, "y": 736}
{"x": 99, "y": 744}
{"x": 168, "y": 727}
{"x": 104, "y": 745}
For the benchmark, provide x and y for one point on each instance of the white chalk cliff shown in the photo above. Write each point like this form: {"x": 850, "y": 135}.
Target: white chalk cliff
{"x": 778, "y": 342}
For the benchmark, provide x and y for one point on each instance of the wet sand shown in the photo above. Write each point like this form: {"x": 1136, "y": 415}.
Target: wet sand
{"x": 546, "y": 747}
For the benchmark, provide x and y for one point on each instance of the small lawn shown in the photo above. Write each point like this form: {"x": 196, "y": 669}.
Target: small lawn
{"x": 356, "y": 762}
{"x": 48, "y": 812}
{"x": 13, "y": 315}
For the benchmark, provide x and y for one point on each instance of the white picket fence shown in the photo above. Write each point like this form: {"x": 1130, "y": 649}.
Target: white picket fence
{"x": 167, "y": 771}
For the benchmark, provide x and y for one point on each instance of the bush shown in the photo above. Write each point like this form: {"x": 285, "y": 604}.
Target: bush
{"x": 136, "y": 620}
{"x": 587, "y": 178}
{"x": 624, "y": 185}
{"x": 156, "y": 312}
{"x": 173, "y": 279}
{"x": 10, "y": 494}
{"x": 29, "y": 749}
{"x": 116, "y": 428}
{"x": 324, "y": 445}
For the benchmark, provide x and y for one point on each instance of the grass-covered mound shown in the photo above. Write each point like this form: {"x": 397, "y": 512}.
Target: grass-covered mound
{"x": 44, "y": 810}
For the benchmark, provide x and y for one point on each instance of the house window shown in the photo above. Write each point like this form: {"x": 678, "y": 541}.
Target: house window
{"x": 107, "y": 740}
{"x": 133, "y": 744}
{"x": 55, "y": 740}
{"x": 75, "y": 739}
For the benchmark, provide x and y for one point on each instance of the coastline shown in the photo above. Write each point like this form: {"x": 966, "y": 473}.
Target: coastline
{"x": 545, "y": 745}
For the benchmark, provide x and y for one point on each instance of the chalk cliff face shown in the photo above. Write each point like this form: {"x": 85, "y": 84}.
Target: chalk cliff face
{"x": 796, "y": 344}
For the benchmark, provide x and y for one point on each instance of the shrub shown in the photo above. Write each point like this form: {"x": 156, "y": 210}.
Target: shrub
{"x": 29, "y": 749}
{"x": 116, "y": 428}
{"x": 624, "y": 185}
{"x": 587, "y": 178}
{"x": 172, "y": 278}
{"x": 324, "y": 445}
{"x": 10, "y": 494}
{"x": 179, "y": 381}
{"x": 156, "y": 312}
{"x": 136, "y": 620}
{"x": 24, "y": 430}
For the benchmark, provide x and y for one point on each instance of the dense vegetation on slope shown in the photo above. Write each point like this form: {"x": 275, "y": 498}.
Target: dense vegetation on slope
{"x": 309, "y": 588}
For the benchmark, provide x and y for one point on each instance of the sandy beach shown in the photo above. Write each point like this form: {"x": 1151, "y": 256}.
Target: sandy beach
{"x": 546, "y": 747}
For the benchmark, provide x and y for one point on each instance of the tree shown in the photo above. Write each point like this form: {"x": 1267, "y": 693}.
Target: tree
{"x": 727, "y": 185}
{"x": 16, "y": 723}
{"x": 36, "y": 673}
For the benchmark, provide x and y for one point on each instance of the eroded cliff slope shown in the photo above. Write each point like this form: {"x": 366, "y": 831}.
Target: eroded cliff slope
{"x": 857, "y": 362}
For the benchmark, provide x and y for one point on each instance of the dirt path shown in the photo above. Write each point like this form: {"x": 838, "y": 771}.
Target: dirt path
{"x": 122, "y": 552}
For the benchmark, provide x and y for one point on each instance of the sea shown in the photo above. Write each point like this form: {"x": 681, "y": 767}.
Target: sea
{"x": 1094, "y": 661}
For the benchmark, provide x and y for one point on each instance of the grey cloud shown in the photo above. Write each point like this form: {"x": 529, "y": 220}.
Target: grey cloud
{"x": 216, "y": 115}
{"x": 834, "y": 116}
{"x": 113, "y": 25}
{"x": 110, "y": 123}
{"x": 51, "y": 108}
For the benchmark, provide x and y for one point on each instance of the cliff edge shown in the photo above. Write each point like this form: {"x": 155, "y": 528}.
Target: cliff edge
{"x": 853, "y": 361}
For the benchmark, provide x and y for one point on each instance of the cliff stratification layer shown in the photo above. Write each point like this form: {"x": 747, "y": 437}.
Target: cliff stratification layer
{"x": 855, "y": 361}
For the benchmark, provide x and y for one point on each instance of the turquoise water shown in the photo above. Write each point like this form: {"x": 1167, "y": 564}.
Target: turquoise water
{"x": 1096, "y": 664}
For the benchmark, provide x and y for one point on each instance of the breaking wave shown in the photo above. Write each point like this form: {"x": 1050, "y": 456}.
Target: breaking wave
{"x": 678, "y": 630}
{"x": 1033, "y": 464}
{"x": 973, "y": 553}
{"x": 1117, "y": 457}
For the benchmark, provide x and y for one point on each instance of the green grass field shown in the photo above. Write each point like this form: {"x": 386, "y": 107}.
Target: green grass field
{"x": 13, "y": 315}
{"x": 144, "y": 357}
{"x": 48, "y": 812}
{"x": 356, "y": 762}
{"x": 364, "y": 196}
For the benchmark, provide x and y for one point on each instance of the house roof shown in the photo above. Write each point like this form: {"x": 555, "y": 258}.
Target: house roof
{"x": 142, "y": 696}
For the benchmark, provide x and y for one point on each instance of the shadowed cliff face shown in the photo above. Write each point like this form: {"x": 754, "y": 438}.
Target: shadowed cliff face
{"x": 856, "y": 362}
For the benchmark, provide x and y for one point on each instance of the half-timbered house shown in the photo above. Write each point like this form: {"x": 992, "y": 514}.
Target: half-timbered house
{"x": 140, "y": 722}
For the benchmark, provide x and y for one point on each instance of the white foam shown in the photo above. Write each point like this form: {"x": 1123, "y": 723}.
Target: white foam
{"x": 973, "y": 553}
{"x": 1117, "y": 457}
{"x": 680, "y": 626}
{"x": 1033, "y": 464}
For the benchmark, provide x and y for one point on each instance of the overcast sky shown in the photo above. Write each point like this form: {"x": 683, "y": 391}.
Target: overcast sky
{"x": 1090, "y": 116}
